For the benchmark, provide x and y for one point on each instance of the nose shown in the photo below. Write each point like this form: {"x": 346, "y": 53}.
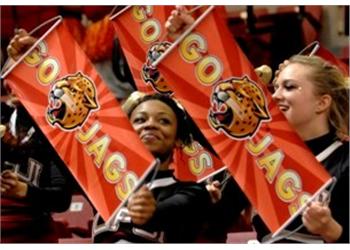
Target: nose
{"x": 150, "y": 123}
{"x": 277, "y": 95}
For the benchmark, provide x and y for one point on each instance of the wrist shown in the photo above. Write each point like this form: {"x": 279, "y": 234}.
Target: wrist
{"x": 22, "y": 190}
{"x": 333, "y": 232}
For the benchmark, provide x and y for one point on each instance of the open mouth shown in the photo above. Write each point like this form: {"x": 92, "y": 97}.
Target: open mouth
{"x": 283, "y": 108}
{"x": 219, "y": 112}
{"x": 57, "y": 108}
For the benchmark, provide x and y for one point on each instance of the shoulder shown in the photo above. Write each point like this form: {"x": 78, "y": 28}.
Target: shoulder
{"x": 337, "y": 163}
{"x": 193, "y": 191}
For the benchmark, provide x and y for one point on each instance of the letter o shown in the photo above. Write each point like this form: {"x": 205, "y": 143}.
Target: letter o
{"x": 150, "y": 30}
{"x": 48, "y": 71}
{"x": 209, "y": 63}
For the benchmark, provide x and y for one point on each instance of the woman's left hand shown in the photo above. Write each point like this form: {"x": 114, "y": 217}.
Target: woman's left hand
{"x": 214, "y": 191}
{"x": 141, "y": 206}
{"x": 317, "y": 218}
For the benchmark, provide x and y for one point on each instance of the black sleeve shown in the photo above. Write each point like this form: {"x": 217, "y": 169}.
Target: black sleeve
{"x": 338, "y": 165}
{"x": 187, "y": 206}
{"x": 340, "y": 206}
{"x": 227, "y": 211}
{"x": 55, "y": 190}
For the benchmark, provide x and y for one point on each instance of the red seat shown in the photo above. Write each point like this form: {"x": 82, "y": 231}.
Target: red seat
{"x": 76, "y": 222}
{"x": 241, "y": 237}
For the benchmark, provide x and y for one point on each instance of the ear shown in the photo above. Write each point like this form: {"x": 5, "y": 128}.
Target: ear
{"x": 323, "y": 104}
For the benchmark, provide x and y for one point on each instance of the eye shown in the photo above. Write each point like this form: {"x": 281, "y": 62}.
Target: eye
{"x": 164, "y": 121}
{"x": 239, "y": 95}
{"x": 290, "y": 87}
{"x": 138, "y": 120}
{"x": 287, "y": 85}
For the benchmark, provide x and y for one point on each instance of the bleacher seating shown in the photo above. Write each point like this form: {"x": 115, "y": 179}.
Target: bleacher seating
{"x": 74, "y": 225}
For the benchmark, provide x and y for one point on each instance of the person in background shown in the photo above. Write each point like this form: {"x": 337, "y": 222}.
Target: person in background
{"x": 34, "y": 181}
{"x": 164, "y": 209}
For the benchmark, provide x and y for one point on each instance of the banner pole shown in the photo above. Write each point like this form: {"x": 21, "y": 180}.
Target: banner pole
{"x": 301, "y": 209}
{"x": 11, "y": 67}
{"x": 314, "y": 44}
{"x": 120, "y": 12}
{"x": 183, "y": 35}
{"x": 112, "y": 220}
{"x": 212, "y": 174}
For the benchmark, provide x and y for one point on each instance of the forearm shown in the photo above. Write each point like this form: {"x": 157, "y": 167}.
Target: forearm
{"x": 333, "y": 232}
{"x": 52, "y": 199}
{"x": 180, "y": 209}
{"x": 54, "y": 192}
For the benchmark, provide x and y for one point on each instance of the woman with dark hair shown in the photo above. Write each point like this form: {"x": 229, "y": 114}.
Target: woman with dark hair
{"x": 34, "y": 183}
{"x": 164, "y": 209}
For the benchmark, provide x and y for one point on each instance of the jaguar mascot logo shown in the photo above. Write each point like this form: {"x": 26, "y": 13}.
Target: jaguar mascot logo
{"x": 150, "y": 74}
{"x": 237, "y": 107}
{"x": 70, "y": 101}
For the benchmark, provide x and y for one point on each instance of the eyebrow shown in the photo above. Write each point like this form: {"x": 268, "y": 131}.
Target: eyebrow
{"x": 159, "y": 113}
{"x": 286, "y": 81}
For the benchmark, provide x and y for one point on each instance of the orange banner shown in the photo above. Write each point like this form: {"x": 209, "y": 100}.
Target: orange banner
{"x": 328, "y": 56}
{"x": 142, "y": 35}
{"x": 217, "y": 85}
{"x": 143, "y": 38}
{"x": 201, "y": 164}
{"x": 62, "y": 91}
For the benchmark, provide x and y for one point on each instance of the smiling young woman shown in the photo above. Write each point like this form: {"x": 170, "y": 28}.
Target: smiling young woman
{"x": 165, "y": 209}
{"x": 314, "y": 97}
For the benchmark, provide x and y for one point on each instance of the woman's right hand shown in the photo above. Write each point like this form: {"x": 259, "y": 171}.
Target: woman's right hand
{"x": 318, "y": 219}
{"x": 12, "y": 186}
{"x": 141, "y": 206}
{"x": 178, "y": 21}
{"x": 19, "y": 44}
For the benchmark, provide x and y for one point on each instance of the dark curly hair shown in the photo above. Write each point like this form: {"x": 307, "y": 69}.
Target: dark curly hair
{"x": 187, "y": 130}
{"x": 183, "y": 132}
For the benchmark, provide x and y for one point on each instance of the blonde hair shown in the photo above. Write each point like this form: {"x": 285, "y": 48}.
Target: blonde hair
{"x": 328, "y": 79}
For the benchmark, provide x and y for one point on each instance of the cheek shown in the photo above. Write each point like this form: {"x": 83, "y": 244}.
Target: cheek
{"x": 137, "y": 128}
{"x": 170, "y": 134}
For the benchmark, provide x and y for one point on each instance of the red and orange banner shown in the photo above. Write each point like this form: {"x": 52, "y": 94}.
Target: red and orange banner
{"x": 315, "y": 48}
{"x": 143, "y": 38}
{"x": 217, "y": 85}
{"x": 141, "y": 33}
{"x": 62, "y": 91}
{"x": 201, "y": 164}
{"x": 330, "y": 57}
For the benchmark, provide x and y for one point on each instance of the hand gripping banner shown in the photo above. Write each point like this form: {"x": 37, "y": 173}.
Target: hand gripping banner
{"x": 217, "y": 85}
{"x": 62, "y": 91}
{"x": 142, "y": 36}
